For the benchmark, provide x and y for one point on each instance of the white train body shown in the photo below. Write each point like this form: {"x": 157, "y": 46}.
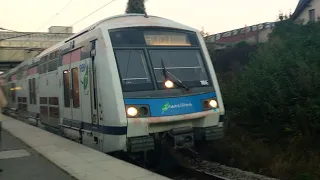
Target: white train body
{"x": 84, "y": 85}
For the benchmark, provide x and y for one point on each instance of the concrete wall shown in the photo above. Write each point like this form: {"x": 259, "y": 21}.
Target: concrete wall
{"x": 252, "y": 37}
{"x": 25, "y": 47}
{"x": 60, "y": 29}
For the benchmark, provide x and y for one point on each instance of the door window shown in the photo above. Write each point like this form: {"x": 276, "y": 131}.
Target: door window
{"x": 66, "y": 86}
{"x": 75, "y": 87}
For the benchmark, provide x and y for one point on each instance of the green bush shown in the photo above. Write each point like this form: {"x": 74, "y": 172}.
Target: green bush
{"x": 273, "y": 105}
{"x": 278, "y": 92}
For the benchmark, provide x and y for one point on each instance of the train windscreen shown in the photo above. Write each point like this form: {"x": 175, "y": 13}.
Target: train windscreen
{"x": 143, "y": 53}
{"x": 183, "y": 65}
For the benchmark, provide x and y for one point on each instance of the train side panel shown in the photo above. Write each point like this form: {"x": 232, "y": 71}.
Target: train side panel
{"x": 112, "y": 116}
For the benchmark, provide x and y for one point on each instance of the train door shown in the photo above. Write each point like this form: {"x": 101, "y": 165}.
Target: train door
{"x": 71, "y": 89}
{"x": 88, "y": 92}
{"x": 93, "y": 138}
{"x": 93, "y": 86}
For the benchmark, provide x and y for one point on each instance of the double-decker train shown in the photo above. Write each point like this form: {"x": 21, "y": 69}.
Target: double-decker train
{"x": 125, "y": 83}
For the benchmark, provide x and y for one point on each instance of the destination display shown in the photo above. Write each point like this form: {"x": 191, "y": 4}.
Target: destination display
{"x": 157, "y": 38}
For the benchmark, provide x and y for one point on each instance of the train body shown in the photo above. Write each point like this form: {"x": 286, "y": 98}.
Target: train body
{"x": 122, "y": 84}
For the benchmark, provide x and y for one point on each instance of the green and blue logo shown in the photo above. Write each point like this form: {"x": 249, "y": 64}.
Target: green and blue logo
{"x": 84, "y": 82}
{"x": 168, "y": 106}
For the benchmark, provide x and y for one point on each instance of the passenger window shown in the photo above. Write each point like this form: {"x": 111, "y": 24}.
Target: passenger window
{"x": 34, "y": 91}
{"x": 66, "y": 86}
{"x": 52, "y": 65}
{"x": 30, "y": 92}
{"x": 13, "y": 91}
{"x": 75, "y": 88}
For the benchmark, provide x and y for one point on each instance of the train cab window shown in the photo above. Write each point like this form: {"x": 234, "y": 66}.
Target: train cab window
{"x": 133, "y": 69}
{"x": 185, "y": 65}
{"x": 75, "y": 88}
{"x": 66, "y": 88}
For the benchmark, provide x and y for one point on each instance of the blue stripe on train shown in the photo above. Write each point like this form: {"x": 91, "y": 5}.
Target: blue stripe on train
{"x": 158, "y": 107}
{"x": 172, "y": 106}
{"x": 111, "y": 130}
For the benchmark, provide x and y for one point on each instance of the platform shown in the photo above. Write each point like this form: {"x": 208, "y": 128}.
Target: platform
{"x": 20, "y": 162}
{"x": 78, "y": 161}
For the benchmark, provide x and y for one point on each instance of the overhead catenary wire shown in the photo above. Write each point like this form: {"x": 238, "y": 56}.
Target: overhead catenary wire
{"x": 50, "y": 19}
{"x": 27, "y": 34}
{"x": 93, "y": 12}
{"x": 55, "y": 15}
{"x": 103, "y": 6}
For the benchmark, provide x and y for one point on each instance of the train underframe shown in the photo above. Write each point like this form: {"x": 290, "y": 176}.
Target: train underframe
{"x": 152, "y": 149}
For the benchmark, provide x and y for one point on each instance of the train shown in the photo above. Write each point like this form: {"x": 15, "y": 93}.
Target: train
{"x": 128, "y": 83}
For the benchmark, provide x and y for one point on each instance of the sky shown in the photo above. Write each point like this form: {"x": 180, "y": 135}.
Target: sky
{"x": 214, "y": 15}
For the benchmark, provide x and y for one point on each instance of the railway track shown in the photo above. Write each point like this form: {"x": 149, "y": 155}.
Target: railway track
{"x": 197, "y": 169}
{"x": 193, "y": 167}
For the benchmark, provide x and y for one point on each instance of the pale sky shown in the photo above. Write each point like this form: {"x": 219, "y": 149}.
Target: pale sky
{"x": 214, "y": 15}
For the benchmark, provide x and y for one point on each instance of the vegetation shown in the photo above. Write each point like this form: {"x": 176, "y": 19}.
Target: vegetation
{"x": 273, "y": 104}
{"x": 136, "y": 6}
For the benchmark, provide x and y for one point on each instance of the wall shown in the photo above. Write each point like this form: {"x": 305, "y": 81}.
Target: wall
{"x": 252, "y": 35}
{"x": 25, "y": 47}
{"x": 304, "y": 15}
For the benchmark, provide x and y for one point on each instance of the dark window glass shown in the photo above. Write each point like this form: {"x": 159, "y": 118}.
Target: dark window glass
{"x": 66, "y": 87}
{"x": 43, "y": 68}
{"x": 44, "y": 111}
{"x": 52, "y": 65}
{"x": 54, "y": 101}
{"x": 312, "y": 16}
{"x": 13, "y": 92}
{"x": 186, "y": 65}
{"x": 75, "y": 88}
{"x": 30, "y": 92}
{"x": 54, "y": 112}
{"x": 148, "y": 36}
{"x": 133, "y": 70}
{"x": 43, "y": 100}
{"x": 34, "y": 94}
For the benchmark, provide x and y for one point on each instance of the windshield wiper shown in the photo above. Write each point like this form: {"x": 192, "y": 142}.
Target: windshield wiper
{"x": 165, "y": 72}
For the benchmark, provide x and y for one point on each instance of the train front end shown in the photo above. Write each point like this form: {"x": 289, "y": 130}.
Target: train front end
{"x": 169, "y": 86}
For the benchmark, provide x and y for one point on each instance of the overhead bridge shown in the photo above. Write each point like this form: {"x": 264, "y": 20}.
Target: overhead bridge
{"x": 6, "y": 65}
{"x": 16, "y": 47}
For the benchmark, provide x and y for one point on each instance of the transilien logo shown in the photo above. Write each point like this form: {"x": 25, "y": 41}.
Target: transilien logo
{"x": 167, "y": 106}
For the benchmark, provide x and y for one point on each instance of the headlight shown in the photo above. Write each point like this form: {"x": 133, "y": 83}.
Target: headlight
{"x": 168, "y": 84}
{"x": 213, "y": 103}
{"x": 137, "y": 111}
{"x": 208, "y": 104}
{"x": 132, "y": 111}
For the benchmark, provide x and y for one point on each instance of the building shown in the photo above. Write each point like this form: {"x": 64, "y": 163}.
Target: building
{"x": 16, "y": 47}
{"x": 251, "y": 34}
{"x": 307, "y": 10}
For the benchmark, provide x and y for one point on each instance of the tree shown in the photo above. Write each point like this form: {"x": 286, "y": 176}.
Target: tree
{"x": 280, "y": 88}
{"x": 136, "y": 6}
{"x": 203, "y": 33}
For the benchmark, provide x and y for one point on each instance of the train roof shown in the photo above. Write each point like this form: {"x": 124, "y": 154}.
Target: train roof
{"x": 112, "y": 22}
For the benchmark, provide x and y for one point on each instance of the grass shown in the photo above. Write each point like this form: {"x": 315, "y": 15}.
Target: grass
{"x": 286, "y": 160}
